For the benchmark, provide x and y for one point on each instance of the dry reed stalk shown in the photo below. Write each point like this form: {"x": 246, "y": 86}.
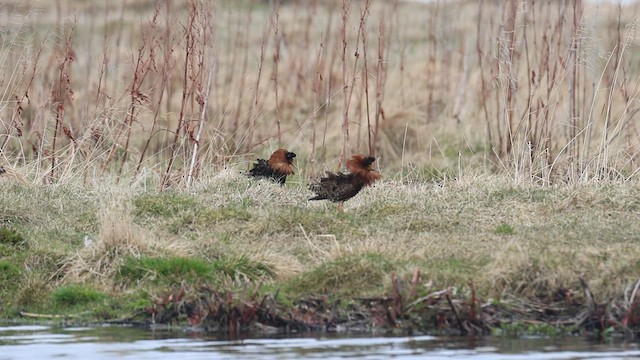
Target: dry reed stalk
{"x": 365, "y": 86}
{"x": 169, "y": 88}
{"x": 276, "y": 60}
{"x": 167, "y": 68}
{"x": 143, "y": 65}
{"x": 187, "y": 79}
{"x": 381, "y": 77}
{"x": 349, "y": 82}
{"x": 227, "y": 81}
{"x": 528, "y": 113}
{"x": 483, "y": 86}
{"x": 329, "y": 82}
{"x": 357, "y": 116}
{"x": 345, "y": 87}
{"x": 60, "y": 93}
{"x": 203, "y": 99}
{"x": 509, "y": 38}
{"x": 433, "y": 59}
{"x": 101, "y": 88}
{"x": 608, "y": 134}
{"x": 316, "y": 88}
{"x": 400, "y": 36}
{"x": 137, "y": 97}
{"x": 253, "y": 110}
{"x": 312, "y": 13}
{"x": 243, "y": 77}
{"x": 17, "y": 123}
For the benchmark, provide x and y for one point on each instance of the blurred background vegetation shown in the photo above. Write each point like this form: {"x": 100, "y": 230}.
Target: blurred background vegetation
{"x": 544, "y": 91}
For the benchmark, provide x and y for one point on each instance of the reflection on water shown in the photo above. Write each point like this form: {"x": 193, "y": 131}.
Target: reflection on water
{"x": 43, "y": 342}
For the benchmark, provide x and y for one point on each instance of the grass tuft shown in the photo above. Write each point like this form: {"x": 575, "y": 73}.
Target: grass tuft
{"x": 349, "y": 275}
{"x": 175, "y": 270}
{"x": 505, "y": 229}
{"x": 73, "y": 295}
{"x": 167, "y": 270}
{"x": 9, "y": 273}
{"x": 11, "y": 237}
{"x": 242, "y": 268}
{"x": 163, "y": 204}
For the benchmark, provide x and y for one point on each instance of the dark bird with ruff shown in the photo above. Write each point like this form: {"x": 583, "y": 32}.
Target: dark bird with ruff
{"x": 277, "y": 168}
{"x": 340, "y": 187}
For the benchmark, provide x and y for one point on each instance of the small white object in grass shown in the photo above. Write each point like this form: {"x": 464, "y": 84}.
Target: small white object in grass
{"x": 87, "y": 241}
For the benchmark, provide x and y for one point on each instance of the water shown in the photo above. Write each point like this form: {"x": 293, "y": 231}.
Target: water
{"x": 45, "y": 342}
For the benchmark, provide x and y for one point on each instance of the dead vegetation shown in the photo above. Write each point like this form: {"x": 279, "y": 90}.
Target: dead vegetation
{"x": 541, "y": 91}
{"x": 506, "y": 132}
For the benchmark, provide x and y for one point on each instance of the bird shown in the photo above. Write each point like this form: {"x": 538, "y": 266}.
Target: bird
{"x": 340, "y": 187}
{"x": 278, "y": 167}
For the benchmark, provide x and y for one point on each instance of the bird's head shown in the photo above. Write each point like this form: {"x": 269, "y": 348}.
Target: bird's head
{"x": 360, "y": 162}
{"x": 360, "y": 166}
{"x": 282, "y": 160}
{"x": 366, "y": 162}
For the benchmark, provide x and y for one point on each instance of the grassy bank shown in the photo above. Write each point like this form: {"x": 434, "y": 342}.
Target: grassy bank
{"x": 114, "y": 252}
{"x": 506, "y": 132}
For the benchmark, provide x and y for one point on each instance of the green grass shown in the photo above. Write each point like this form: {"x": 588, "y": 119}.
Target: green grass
{"x": 165, "y": 204}
{"x": 526, "y": 240}
{"x": 10, "y": 237}
{"x": 9, "y": 272}
{"x": 505, "y": 229}
{"x": 345, "y": 276}
{"x": 74, "y": 295}
{"x": 174, "y": 270}
{"x": 242, "y": 268}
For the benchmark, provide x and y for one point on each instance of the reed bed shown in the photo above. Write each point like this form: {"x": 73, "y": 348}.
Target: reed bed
{"x": 542, "y": 91}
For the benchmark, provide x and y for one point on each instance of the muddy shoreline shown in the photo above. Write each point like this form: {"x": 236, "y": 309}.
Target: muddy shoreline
{"x": 448, "y": 312}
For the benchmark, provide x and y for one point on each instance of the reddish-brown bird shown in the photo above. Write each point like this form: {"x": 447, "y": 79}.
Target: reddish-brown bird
{"x": 340, "y": 187}
{"x": 278, "y": 167}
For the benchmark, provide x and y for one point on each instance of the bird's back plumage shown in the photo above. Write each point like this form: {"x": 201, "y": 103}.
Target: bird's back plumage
{"x": 339, "y": 187}
{"x": 336, "y": 187}
{"x": 278, "y": 167}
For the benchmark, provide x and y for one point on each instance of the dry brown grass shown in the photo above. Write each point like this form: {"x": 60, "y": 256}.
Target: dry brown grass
{"x": 502, "y": 236}
{"x": 117, "y": 238}
{"x": 506, "y": 133}
{"x": 551, "y": 101}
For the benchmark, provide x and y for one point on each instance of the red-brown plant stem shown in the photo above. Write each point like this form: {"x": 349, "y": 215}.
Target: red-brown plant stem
{"x": 137, "y": 97}
{"x": 167, "y": 67}
{"x": 345, "y": 86}
{"x": 381, "y": 76}
{"x": 62, "y": 91}
{"x": 365, "y": 84}
{"x": 329, "y": 82}
{"x": 203, "y": 99}
{"x": 276, "y": 61}
{"x": 317, "y": 83}
{"x": 203, "y": 113}
{"x": 348, "y": 88}
{"x": 189, "y": 48}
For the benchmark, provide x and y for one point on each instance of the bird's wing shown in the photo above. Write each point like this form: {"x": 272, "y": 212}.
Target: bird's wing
{"x": 335, "y": 187}
{"x": 260, "y": 168}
